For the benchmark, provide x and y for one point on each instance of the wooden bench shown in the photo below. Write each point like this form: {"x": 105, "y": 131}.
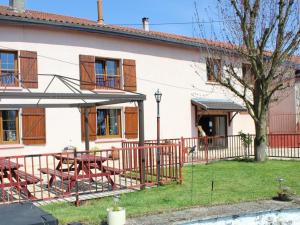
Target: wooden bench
{"x": 29, "y": 178}
{"x": 58, "y": 173}
{"x": 12, "y": 184}
{"x": 113, "y": 171}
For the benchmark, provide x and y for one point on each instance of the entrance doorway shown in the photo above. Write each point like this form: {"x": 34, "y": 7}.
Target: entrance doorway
{"x": 214, "y": 125}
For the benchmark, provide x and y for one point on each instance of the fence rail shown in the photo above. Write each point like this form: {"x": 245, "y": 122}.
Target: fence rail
{"x": 229, "y": 147}
{"x": 69, "y": 174}
{"x": 50, "y": 176}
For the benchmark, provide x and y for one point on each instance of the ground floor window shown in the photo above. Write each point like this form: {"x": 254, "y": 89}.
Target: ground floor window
{"x": 108, "y": 123}
{"x": 9, "y": 126}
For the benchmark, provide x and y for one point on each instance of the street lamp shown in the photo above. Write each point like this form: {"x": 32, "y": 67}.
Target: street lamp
{"x": 158, "y": 95}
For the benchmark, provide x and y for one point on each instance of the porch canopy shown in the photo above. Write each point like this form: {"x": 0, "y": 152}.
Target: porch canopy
{"x": 218, "y": 104}
{"x": 55, "y": 91}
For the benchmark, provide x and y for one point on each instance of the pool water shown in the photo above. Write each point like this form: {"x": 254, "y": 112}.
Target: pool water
{"x": 279, "y": 217}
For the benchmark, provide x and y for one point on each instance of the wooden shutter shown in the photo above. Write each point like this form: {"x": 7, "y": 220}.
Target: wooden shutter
{"x": 87, "y": 72}
{"x": 92, "y": 124}
{"x": 129, "y": 72}
{"x": 33, "y": 126}
{"x": 29, "y": 69}
{"x": 131, "y": 122}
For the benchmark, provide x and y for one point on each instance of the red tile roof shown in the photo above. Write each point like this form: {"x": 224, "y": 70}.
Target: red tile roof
{"x": 50, "y": 17}
{"x": 43, "y": 16}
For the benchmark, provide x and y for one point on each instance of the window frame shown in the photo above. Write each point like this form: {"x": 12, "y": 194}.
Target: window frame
{"x": 106, "y": 75}
{"x": 16, "y": 69}
{"x": 210, "y": 62}
{"x": 108, "y": 136}
{"x": 17, "y": 141}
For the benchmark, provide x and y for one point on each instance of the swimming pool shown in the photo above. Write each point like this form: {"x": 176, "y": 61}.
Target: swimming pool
{"x": 277, "y": 217}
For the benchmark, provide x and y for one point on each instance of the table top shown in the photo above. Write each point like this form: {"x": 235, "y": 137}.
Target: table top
{"x": 81, "y": 157}
{"x": 7, "y": 164}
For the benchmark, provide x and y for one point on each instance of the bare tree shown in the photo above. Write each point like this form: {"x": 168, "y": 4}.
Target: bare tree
{"x": 265, "y": 36}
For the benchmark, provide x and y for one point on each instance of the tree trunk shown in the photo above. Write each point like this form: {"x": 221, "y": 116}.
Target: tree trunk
{"x": 260, "y": 142}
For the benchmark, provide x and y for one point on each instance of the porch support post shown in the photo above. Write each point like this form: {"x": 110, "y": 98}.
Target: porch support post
{"x": 141, "y": 143}
{"x": 86, "y": 128}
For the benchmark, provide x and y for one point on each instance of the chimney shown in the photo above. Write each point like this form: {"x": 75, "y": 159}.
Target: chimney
{"x": 100, "y": 12}
{"x": 17, "y": 5}
{"x": 146, "y": 24}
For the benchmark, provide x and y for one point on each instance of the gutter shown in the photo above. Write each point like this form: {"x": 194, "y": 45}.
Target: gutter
{"x": 104, "y": 31}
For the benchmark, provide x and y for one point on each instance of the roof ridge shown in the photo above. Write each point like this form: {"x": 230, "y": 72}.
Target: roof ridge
{"x": 79, "y": 20}
{"x": 60, "y": 18}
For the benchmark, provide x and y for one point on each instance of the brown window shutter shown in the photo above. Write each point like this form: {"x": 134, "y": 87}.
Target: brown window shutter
{"x": 29, "y": 69}
{"x": 129, "y": 72}
{"x": 131, "y": 122}
{"x": 92, "y": 124}
{"x": 33, "y": 126}
{"x": 87, "y": 72}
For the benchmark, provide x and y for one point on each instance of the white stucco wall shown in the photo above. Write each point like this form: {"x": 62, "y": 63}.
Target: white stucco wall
{"x": 169, "y": 68}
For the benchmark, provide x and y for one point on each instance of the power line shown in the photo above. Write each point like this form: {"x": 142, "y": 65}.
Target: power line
{"x": 175, "y": 23}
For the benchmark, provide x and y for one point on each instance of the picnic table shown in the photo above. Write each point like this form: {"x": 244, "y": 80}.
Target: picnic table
{"x": 11, "y": 176}
{"x": 81, "y": 166}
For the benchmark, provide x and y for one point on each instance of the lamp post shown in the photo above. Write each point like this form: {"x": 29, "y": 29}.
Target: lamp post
{"x": 158, "y": 95}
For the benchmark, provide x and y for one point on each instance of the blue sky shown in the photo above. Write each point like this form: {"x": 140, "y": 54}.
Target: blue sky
{"x": 132, "y": 11}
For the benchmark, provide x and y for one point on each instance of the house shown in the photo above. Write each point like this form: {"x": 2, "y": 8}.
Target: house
{"x": 106, "y": 59}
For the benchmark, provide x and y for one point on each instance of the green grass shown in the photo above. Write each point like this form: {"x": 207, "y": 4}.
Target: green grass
{"x": 233, "y": 182}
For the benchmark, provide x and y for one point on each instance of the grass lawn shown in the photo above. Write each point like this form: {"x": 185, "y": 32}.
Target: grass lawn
{"x": 233, "y": 182}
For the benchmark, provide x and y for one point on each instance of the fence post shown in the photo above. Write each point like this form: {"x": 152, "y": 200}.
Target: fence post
{"x": 142, "y": 145}
{"x": 206, "y": 148}
{"x": 77, "y": 201}
{"x": 181, "y": 155}
{"x": 183, "y": 149}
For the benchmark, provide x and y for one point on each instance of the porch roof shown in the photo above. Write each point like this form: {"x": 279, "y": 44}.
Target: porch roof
{"x": 218, "y": 104}
{"x": 56, "y": 91}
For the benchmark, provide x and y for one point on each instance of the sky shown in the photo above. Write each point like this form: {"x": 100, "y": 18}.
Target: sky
{"x": 132, "y": 12}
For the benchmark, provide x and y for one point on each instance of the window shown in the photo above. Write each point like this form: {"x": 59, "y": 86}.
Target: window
{"x": 9, "y": 126}
{"x": 108, "y": 123}
{"x": 248, "y": 74}
{"x": 107, "y": 73}
{"x": 8, "y": 69}
{"x": 214, "y": 70}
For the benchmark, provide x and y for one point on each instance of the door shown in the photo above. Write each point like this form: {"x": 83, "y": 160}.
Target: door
{"x": 215, "y": 126}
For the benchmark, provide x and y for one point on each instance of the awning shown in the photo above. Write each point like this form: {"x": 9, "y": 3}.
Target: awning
{"x": 218, "y": 104}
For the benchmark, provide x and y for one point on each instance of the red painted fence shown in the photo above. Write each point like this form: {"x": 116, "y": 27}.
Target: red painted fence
{"x": 72, "y": 174}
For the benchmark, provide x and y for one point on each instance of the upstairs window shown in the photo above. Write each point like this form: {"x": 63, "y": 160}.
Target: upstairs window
{"x": 107, "y": 73}
{"x": 8, "y": 69}
{"x": 248, "y": 74}
{"x": 214, "y": 70}
{"x": 9, "y": 126}
{"x": 108, "y": 123}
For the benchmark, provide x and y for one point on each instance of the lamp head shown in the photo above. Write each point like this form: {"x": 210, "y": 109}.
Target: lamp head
{"x": 158, "y": 95}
